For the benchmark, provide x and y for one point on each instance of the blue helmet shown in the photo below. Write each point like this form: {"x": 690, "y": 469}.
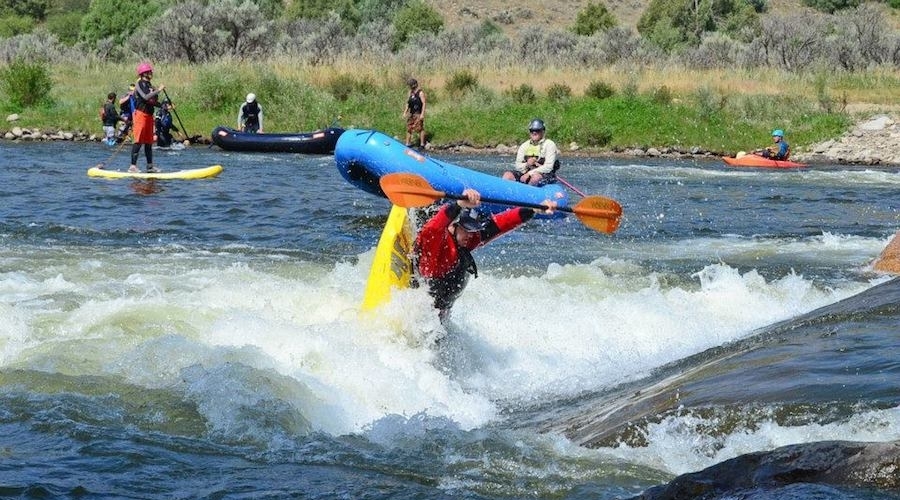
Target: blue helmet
{"x": 778, "y": 133}
{"x": 471, "y": 220}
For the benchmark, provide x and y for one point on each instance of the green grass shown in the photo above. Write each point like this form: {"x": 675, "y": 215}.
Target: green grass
{"x": 295, "y": 101}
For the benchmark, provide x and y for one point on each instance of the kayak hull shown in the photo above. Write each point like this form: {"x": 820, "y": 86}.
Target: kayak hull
{"x": 196, "y": 173}
{"x": 760, "y": 162}
{"x": 317, "y": 142}
{"x": 364, "y": 156}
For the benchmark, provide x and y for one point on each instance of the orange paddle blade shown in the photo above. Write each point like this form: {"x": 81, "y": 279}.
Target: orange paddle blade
{"x": 599, "y": 213}
{"x": 409, "y": 190}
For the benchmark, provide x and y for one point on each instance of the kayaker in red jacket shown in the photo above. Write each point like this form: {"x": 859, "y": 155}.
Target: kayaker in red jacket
{"x": 443, "y": 246}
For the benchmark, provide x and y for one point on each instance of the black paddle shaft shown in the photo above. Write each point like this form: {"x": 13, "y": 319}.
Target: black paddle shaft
{"x": 175, "y": 112}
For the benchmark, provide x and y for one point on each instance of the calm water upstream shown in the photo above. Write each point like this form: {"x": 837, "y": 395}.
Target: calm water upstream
{"x": 202, "y": 339}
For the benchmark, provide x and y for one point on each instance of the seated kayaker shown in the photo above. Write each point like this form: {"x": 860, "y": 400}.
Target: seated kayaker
{"x": 781, "y": 150}
{"x": 537, "y": 159}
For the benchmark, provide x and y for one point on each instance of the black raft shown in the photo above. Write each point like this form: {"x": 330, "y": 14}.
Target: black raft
{"x": 317, "y": 142}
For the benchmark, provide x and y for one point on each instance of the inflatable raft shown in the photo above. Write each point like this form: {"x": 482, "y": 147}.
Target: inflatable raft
{"x": 318, "y": 142}
{"x": 364, "y": 156}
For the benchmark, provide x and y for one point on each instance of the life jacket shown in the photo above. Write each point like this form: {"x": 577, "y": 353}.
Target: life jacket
{"x": 536, "y": 151}
{"x": 141, "y": 104}
{"x": 250, "y": 112}
{"x": 414, "y": 103}
{"x": 110, "y": 117}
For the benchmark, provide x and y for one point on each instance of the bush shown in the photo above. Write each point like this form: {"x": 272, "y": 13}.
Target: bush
{"x": 559, "y": 92}
{"x": 26, "y": 83}
{"x": 592, "y": 134}
{"x": 116, "y": 19}
{"x": 599, "y": 90}
{"x": 592, "y": 19}
{"x": 66, "y": 26}
{"x": 661, "y": 95}
{"x": 11, "y": 26}
{"x": 218, "y": 90}
{"x": 830, "y": 6}
{"x": 523, "y": 94}
{"x": 461, "y": 82}
{"x": 415, "y": 17}
{"x": 343, "y": 86}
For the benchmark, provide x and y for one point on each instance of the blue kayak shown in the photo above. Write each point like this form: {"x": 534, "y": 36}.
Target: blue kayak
{"x": 364, "y": 156}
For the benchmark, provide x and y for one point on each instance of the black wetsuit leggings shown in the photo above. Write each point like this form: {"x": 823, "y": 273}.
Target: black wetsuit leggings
{"x": 148, "y": 153}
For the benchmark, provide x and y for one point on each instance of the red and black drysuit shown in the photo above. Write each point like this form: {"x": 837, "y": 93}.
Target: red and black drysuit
{"x": 443, "y": 264}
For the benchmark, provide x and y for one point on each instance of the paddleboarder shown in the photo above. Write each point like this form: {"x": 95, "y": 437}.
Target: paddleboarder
{"x": 443, "y": 247}
{"x": 145, "y": 100}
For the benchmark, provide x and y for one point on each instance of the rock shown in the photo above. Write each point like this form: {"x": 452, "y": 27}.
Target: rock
{"x": 573, "y": 146}
{"x": 653, "y": 152}
{"x": 877, "y": 123}
{"x": 17, "y": 132}
{"x": 9, "y": 136}
{"x": 13, "y": 117}
{"x": 68, "y": 136}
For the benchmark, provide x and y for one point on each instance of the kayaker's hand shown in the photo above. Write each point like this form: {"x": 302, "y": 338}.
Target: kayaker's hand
{"x": 472, "y": 198}
{"x": 551, "y": 207}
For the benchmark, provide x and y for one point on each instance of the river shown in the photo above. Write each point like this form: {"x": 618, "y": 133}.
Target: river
{"x": 203, "y": 339}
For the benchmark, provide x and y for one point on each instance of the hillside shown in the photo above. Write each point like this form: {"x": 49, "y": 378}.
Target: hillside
{"x": 514, "y": 16}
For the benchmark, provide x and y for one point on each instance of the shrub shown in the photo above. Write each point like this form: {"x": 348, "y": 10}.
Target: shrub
{"x": 218, "y": 90}
{"x": 35, "y": 9}
{"x": 559, "y": 92}
{"x": 66, "y": 26}
{"x": 523, "y": 94}
{"x": 830, "y": 6}
{"x": 592, "y": 134}
{"x": 661, "y": 95}
{"x": 592, "y": 19}
{"x": 26, "y": 83}
{"x": 343, "y": 86}
{"x": 415, "y": 17}
{"x": 461, "y": 82}
{"x": 599, "y": 90}
{"x": 116, "y": 19}
{"x": 11, "y": 26}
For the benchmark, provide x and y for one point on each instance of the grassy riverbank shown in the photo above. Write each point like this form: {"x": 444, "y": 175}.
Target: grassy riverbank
{"x": 720, "y": 111}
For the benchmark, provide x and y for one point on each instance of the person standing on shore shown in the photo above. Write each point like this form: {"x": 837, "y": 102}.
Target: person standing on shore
{"x": 537, "y": 159}
{"x": 145, "y": 100}
{"x": 415, "y": 113}
{"x": 250, "y": 116}
{"x": 109, "y": 116}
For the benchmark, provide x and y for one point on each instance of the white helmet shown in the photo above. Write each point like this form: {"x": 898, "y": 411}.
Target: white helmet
{"x": 251, "y": 97}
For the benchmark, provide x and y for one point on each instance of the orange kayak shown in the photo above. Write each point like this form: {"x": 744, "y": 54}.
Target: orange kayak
{"x": 752, "y": 160}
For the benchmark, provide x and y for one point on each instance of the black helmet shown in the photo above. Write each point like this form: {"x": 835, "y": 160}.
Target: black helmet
{"x": 536, "y": 124}
{"x": 471, "y": 220}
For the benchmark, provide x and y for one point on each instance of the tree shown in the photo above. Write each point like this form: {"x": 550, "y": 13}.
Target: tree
{"x": 592, "y": 19}
{"x": 415, "y": 17}
{"x": 116, "y": 19}
{"x": 671, "y": 24}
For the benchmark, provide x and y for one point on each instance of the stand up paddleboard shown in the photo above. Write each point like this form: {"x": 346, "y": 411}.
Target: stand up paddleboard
{"x": 196, "y": 173}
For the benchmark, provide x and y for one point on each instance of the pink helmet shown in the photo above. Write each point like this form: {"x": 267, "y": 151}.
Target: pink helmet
{"x": 144, "y": 67}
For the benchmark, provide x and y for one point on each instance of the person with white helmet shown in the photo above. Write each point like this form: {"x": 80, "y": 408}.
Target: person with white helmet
{"x": 250, "y": 116}
{"x": 781, "y": 150}
{"x": 145, "y": 101}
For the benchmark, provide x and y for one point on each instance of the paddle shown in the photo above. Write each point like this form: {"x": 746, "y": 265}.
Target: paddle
{"x": 573, "y": 188}
{"x": 175, "y": 112}
{"x": 412, "y": 190}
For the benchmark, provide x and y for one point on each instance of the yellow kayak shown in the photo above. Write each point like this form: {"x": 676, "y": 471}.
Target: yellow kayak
{"x": 194, "y": 173}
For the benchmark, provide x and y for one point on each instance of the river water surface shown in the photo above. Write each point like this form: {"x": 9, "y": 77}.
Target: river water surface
{"x": 203, "y": 339}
